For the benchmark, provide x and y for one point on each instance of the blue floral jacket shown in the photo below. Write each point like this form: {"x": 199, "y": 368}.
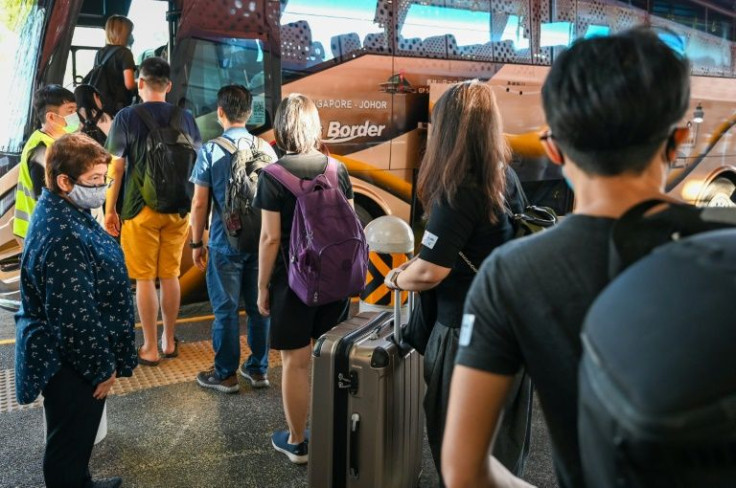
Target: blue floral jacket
{"x": 76, "y": 304}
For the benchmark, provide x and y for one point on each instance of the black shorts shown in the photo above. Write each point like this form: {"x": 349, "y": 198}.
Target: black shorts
{"x": 293, "y": 323}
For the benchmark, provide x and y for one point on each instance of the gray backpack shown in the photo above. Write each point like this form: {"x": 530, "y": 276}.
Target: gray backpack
{"x": 241, "y": 220}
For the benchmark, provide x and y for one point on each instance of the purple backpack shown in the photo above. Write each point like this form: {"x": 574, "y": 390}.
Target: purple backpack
{"x": 328, "y": 253}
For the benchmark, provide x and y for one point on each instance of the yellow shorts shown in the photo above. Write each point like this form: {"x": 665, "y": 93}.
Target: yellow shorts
{"x": 152, "y": 243}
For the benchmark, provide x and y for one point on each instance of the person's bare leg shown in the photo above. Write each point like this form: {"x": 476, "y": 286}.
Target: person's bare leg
{"x": 170, "y": 302}
{"x": 147, "y": 301}
{"x": 295, "y": 390}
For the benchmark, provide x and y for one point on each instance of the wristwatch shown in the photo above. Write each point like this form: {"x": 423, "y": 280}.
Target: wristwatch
{"x": 196, "y": 245}
{"x": 392, "y": 276}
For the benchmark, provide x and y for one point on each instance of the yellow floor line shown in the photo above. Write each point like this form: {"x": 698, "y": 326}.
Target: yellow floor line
{"x": 188, "y": 320}
{"x": 193, "y": 358}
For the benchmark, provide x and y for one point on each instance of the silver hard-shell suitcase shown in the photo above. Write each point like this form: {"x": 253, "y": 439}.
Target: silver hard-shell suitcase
{"x": 367, "y": 421}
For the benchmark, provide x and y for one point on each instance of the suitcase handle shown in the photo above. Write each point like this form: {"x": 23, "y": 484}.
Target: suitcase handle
{"x": 398, "y": 333}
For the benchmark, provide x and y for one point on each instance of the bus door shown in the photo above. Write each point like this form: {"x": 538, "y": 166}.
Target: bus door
{"x": 234, "y": 45}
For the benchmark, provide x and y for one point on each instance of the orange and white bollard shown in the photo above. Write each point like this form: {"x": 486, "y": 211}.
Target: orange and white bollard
{"x": 391, "y": 244}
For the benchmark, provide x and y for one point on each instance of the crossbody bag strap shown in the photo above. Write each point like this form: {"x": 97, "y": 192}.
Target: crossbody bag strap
{"x": 468, "y": 262}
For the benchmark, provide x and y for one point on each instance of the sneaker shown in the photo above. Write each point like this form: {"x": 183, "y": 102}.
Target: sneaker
{"x": 297, "y": 453}
{"x": 256, "y": 380}
{"x": 208, "y": 379}
{"x": 107, "y": 483}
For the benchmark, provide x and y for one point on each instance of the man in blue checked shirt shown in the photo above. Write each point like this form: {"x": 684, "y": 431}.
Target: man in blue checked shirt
{"x": 231, "y": 271}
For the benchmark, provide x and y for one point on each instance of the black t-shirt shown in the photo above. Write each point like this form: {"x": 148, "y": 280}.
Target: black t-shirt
{"x": 127, "y": 138}
{"x": 37, "y": 169}
{"x": 118, "y": 96}
{"x": 527, "y": 307}
{"x": 271, "y": 194}
{"x": 464, "y": 227}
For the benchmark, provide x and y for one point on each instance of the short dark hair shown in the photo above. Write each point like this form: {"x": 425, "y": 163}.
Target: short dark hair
{"x": 156, "y": 72}
{"x": 73, "y": 155}
{"x": 612, "y": 101}
{"x": 50, "y": 96}
{"x": 236, "y": 101}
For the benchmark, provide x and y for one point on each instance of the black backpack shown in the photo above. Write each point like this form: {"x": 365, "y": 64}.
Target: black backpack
{"x": 656, "y": 396}
{"x": 90, "y": 128}
{"x": 241, "y": 220}
{"x": 96, "y": 76}
{"x": 169, "y": 159}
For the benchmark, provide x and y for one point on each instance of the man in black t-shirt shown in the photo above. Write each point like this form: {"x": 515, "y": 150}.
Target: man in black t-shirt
{"x": 612, "y": 104}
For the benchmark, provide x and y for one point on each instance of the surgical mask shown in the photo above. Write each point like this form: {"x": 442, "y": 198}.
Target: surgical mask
{"x": 87, "y": 197}
{"x": 72, "y": 123}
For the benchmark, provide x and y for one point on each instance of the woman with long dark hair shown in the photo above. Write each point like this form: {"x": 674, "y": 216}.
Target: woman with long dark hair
{"x": 467, "y": 189}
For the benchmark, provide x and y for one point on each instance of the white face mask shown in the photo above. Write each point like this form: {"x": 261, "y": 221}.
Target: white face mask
{"x": 72, "y": 123}
{"x": 87, "y": 197}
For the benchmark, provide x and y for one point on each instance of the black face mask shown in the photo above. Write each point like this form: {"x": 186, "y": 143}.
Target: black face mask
{"x": 130, "y": 40}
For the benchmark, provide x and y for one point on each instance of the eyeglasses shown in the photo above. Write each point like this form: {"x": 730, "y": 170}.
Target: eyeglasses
{"x": 96, "y": 184}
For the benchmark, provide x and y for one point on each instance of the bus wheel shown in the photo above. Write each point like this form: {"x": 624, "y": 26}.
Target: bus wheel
{"x": 367, "y": 209}
{"x": 720, "y": 193}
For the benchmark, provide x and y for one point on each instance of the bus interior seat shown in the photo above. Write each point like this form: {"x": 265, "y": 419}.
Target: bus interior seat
{"x": 296, "y": 44}
{"x": 376, "y": 42}
{"x": 444, "y": 46}
{"x": 316, "y": 53}
{"x": 345, "y": 45}
{"x": 481, "y": 52}
{"x": 411, "y": 44}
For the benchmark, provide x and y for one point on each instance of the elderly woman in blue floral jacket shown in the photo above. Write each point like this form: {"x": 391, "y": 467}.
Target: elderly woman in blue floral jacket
{"x": 75, "y": 327}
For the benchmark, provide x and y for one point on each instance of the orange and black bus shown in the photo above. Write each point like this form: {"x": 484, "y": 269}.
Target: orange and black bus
{"x": 374, "y": 68}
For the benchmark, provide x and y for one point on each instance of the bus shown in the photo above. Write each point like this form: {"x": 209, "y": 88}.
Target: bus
{"x": 374, "y": 68}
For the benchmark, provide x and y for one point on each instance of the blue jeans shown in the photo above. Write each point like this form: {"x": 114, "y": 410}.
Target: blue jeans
{"x": 229, "y": 278}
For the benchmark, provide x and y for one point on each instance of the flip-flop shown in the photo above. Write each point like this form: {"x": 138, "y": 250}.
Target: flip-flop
{"x": 146, "y": 362}
{"x": 173, "y": 354}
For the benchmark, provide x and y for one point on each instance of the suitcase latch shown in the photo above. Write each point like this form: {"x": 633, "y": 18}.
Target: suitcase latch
{"x": 349, "y": 382}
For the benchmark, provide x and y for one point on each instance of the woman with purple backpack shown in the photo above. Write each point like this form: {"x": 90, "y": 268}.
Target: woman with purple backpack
{"x": 294, "y": 324}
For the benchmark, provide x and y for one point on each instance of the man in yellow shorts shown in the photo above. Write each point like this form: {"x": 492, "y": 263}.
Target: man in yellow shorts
{"x": 154, "y": 146}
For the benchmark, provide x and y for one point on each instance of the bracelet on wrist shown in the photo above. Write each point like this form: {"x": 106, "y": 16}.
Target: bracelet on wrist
{"x": 393, "y": 278}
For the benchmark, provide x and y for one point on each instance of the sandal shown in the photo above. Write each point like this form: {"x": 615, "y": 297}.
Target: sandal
{"x": 146, "y": 362}
{"x": 175, "y": 352}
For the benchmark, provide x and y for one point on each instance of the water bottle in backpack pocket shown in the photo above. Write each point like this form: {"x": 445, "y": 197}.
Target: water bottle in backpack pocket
{"x": 328, "y": 254}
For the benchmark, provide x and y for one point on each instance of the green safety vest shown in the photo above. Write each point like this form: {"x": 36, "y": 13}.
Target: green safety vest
{"x": 25, "y": 200}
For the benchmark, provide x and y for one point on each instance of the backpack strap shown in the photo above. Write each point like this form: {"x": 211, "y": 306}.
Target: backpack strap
{"x": 108, "y": 56}
{"x": 636, "y": 234}
{"x": 226, "y": 144}
{"x": 295, "y": 184}
{"x": 146, "y": 117}
{"x": 175, "y": 119}
{"x": 283, "y": 176}
{"x": 331, "y": 172}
